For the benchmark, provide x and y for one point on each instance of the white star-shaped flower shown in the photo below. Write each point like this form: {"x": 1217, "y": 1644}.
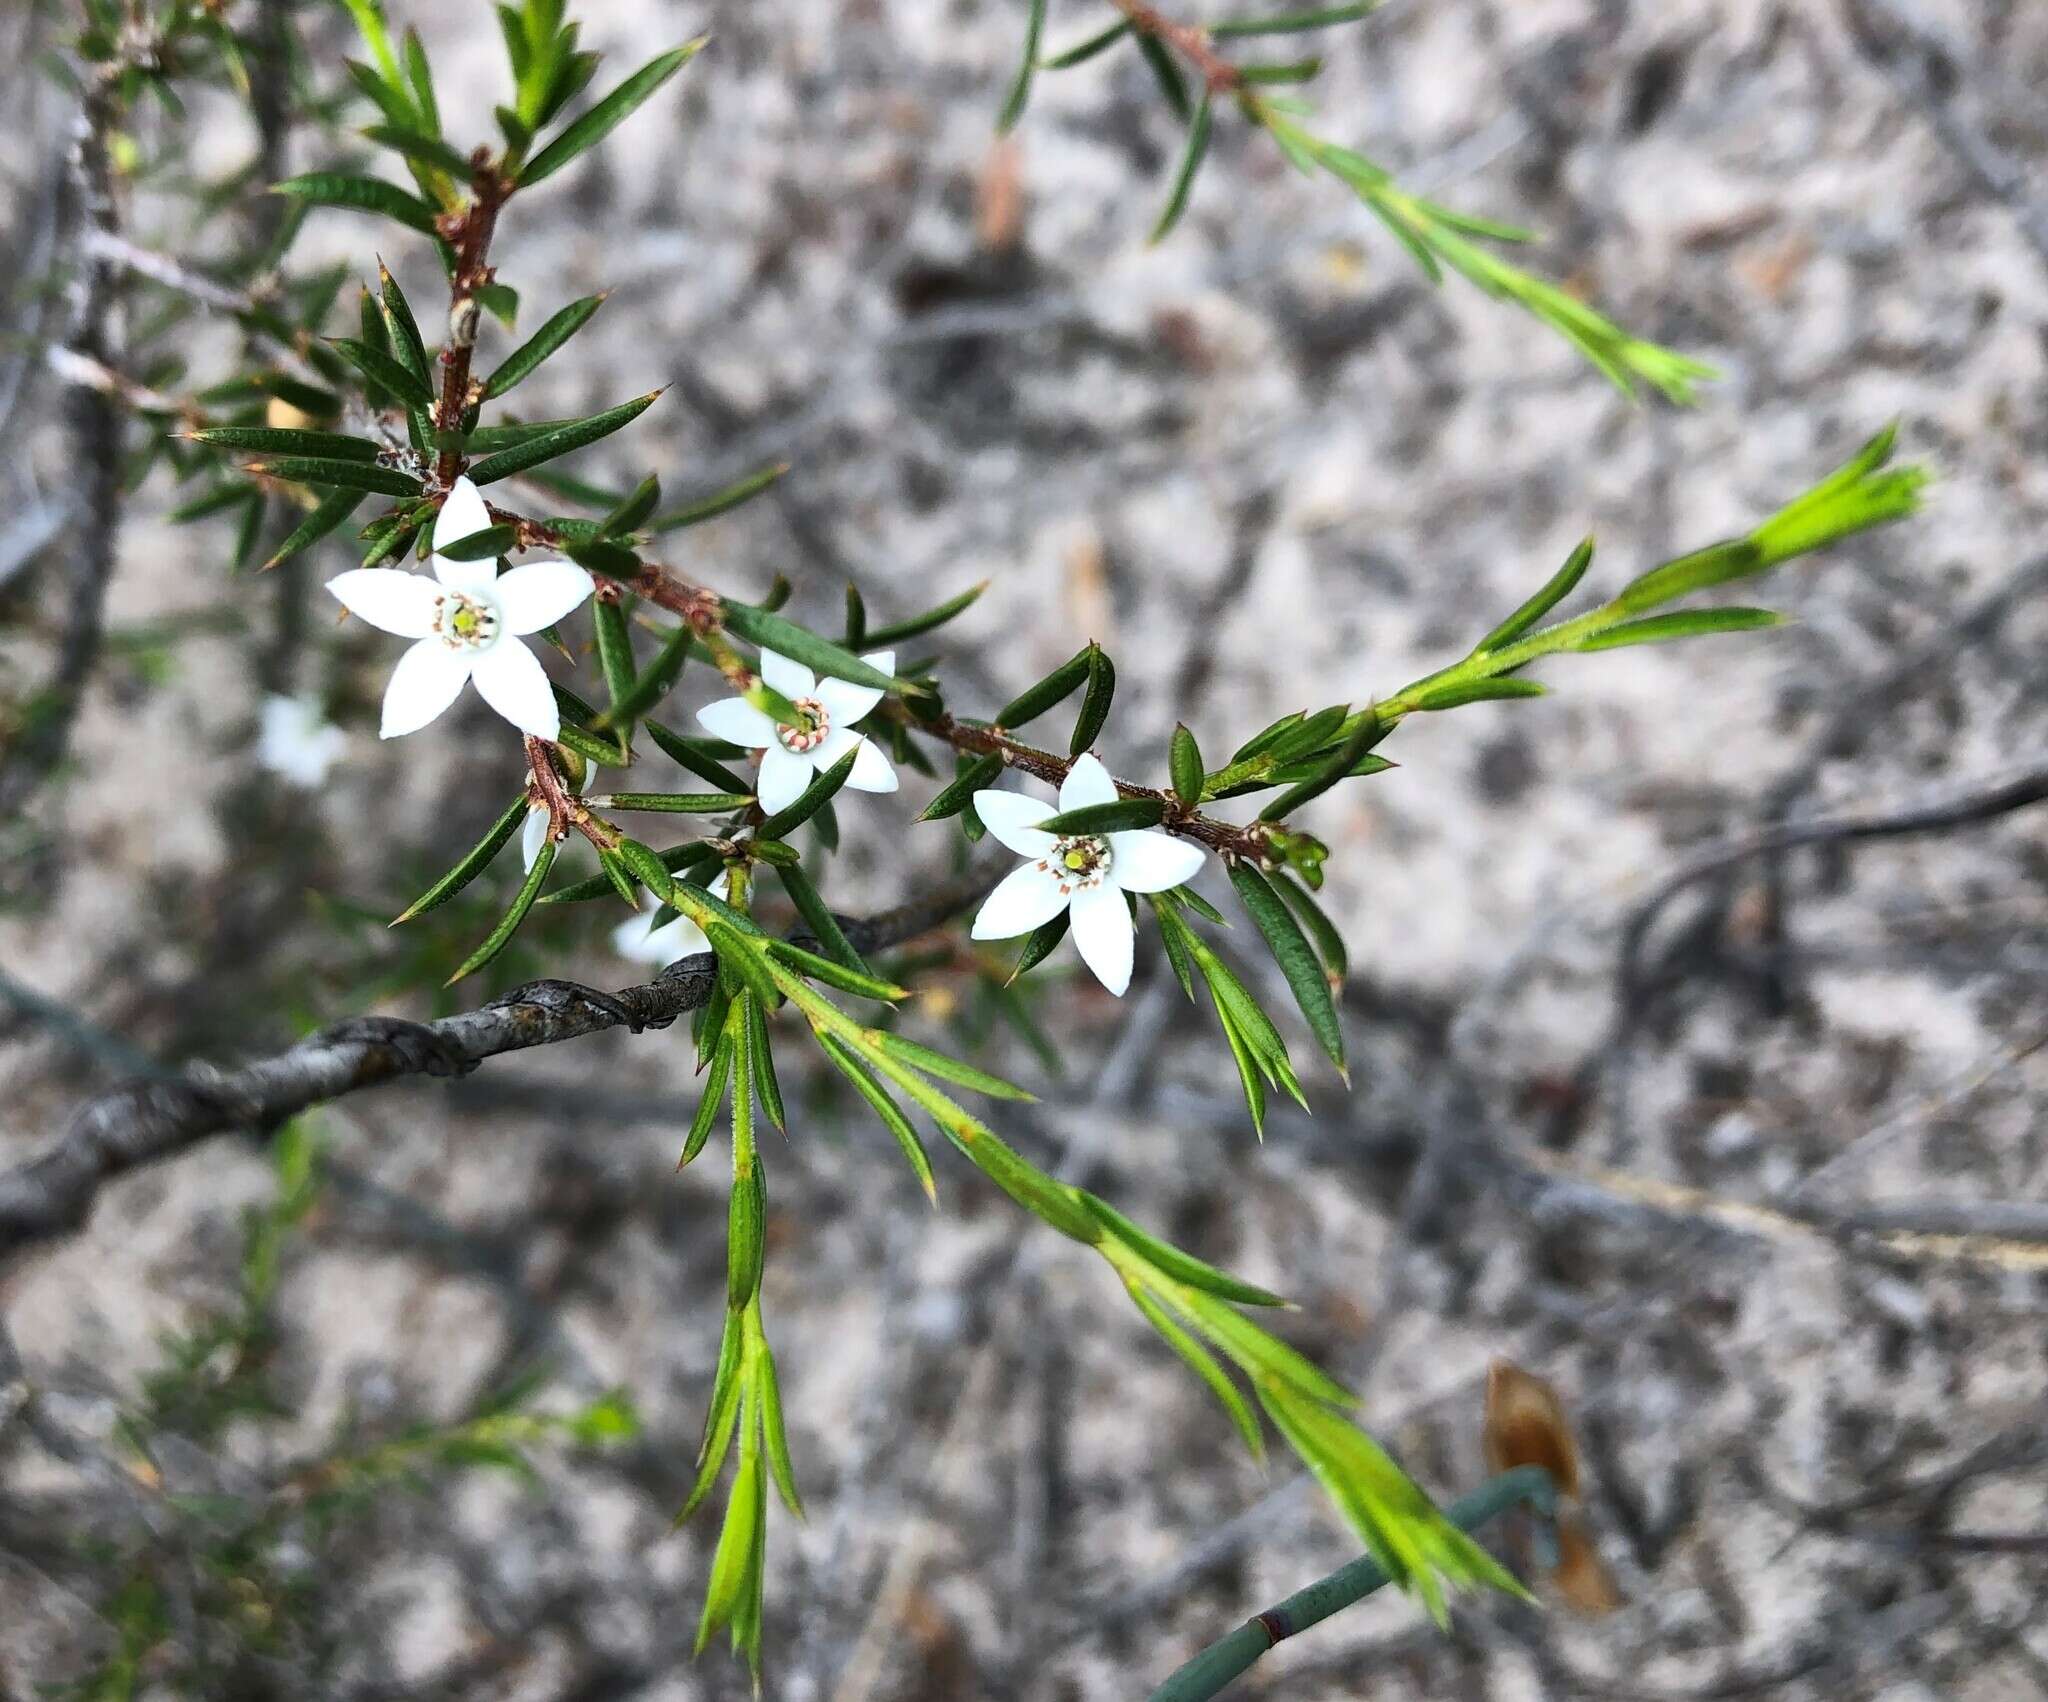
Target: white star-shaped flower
{"x": 640, "y": 941}
{"x": 295, "y": 741}
{"x": 468, "y": 619}
{"x": 1086, "y": 875}
{"x": 790, "y": 755}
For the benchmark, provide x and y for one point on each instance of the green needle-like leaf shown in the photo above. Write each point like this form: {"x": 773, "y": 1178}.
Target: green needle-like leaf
{"x": 1297, "y": 959}
{"x": 771, "y": 631}
{"x": 521, "y": 362}
{"x": 334, "y": 508}
{"x": 473, "y": 863}
{"x": 576, "y": 435}
{"x": 501, "y": 935}
{"x": 599, "y": 122}
{"x": 364, "y": 195}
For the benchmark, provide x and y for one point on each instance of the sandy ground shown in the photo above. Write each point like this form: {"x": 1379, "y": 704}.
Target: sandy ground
{"x": 1815, "y": 1457}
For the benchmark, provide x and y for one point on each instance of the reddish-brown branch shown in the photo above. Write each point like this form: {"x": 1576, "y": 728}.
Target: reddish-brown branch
{"x": 1190, "y": 41}
{"x": 469, "y": 233}
{"x": 564, "y": 811}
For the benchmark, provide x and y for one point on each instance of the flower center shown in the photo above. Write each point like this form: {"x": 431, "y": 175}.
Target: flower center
{"x": 808, "y": 736}
{"x": 463, "y": 622}
{"x": 1080, "y": 863}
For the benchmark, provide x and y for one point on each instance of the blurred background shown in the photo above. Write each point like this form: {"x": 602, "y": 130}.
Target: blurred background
{"x": 1744, "y": 1152}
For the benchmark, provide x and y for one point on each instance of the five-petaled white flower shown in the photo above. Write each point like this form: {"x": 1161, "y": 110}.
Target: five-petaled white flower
{"x": 789, "y": 755}
{"x": 642, "y": 942}
{"x": 295, "y": 741}
{"x": 467, "y": 619}
{"x": 1085, "y": 875}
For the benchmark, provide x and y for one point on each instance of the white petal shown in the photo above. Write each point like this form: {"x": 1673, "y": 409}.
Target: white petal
{"x": 846, "y": 703}
{"x": 389, "y": 600}
{"x": 784, "y": 775}
{"x": 1027, "y": 898}
{"x": 871, "y": 770}
{"x": 629, "y": 936}
{"x": 510, "y": 679}
{"x": 792, "y": 679}
{"x": 737, "y": 722}
{"x": 540, "y": 593}
{"x": 533, "y": 836}
{"x": 1145, "y": 861}
{"x": 1102, "y": 934}
{"x": 1087, "y": 783}
{"x": 463, "y": 515}
{"x": 427, "y": 679}
{"x": 1013, "y": 819}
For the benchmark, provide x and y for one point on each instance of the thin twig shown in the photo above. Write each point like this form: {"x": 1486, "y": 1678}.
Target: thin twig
{"x": 144, "y": 1122}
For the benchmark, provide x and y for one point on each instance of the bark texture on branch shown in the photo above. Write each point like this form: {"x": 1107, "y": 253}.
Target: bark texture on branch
{"x": 142, "y": 1122}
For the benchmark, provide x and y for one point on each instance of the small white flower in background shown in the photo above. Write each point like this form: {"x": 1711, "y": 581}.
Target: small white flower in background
{"x": 791, "y": 755}
{"x": 295, "y": 741}
{"x": 468, "y": 619}
{"x": 642, "y": 942}
{"x": 1086, "y": 875}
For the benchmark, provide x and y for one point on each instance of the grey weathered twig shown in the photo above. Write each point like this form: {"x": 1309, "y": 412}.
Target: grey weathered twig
{"x": 144, "y": 1122}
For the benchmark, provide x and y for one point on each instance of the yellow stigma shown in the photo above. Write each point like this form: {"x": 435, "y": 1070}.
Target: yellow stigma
{"x": 465, "y": 620}
{"x": 1077, "y": 859}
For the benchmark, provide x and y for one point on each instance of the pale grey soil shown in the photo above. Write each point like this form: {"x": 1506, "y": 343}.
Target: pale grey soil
{"x": 1268, "y": 452}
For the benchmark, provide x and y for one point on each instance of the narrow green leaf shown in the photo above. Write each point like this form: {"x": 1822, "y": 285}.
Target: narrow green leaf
{"x": 1328, "y": 772}
{"x": 473, "y": 863}
{"x": 614, "y": 649}
{"x": 1083, "y": 51}
{"x": 280, "y": 440}
{"x": 557, "y": 443}
{"x": 1203, "y": 1364}
{"x": 1191, "y": 158}
{"x": 1322, "y": 932}
{"x": 918, "y": 625}
{"x": 341, "y": 475}
{"x": 709, "y": 1102}
{"x": 811, "y": 906}
{"x": 719, "y": 502}
{"x": 1123, "y": 816}
{"x": 813, "y": 798}
{"x": 1163, "y": 1256}
{"x": 699, "y": 756}
{"x": 1055, "y": 688}
{"x": 1020, "y": 85}
{"x": 1289, "y": 23}
{"x": 676, "y": 803}
{"x": 1462, "y": 692}
{"x": 492, "y": 541}
{"x": 1171, "y": 84}
{"x": 1184, "y": 762}
{"x": 1095, "y": 704}
{"x": 773, "y": 1433}
{"x": 1682, "y": 623}
{"x": 767, "y": 1089}
{"x": 954, "y": 1070}
{"x": 402, "y": 328}
{"x": 501, "y": 935}
{"x": 975, "y": 775}
{"x": 772, "y": 632}
{"x": 364, "y": 195}
{"x": 384, "y": 371}
{"x": 334, "y": 508}
{"x": 859, "y": 982}
{"x": 1297, "y": 959}
{"x": 593, "y": 126}
{"x": 1554, "y": 591}
{"x": 1039, "y": 945}
{"x": 521, "y": 362}
{"x": 630, "y": 513}
{"x": 885, "y": 1109}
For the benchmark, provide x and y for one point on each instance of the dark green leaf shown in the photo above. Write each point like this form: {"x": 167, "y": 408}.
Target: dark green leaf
{"x": 699, "y": 756}
{"x": 520, "y": 363}
{"x": 1171, "y": 84}
{"x": 1321, "y": 931}
{"x": 974, "y": 775}
{"x": 1055, "y": 688}
{"x": 594, "y": 125}
{"x": 918, "y": 625}
{"x": 815, "y": 796}
{"x": 708, "y": 1104}
{"x": 343, "y": 475}
{"x": 719, "y": 501}
{"x": 278, "y": 440}
{"x": 1287, "y": 23}
{"x": 1328, "y": 772}
{"x": 772, "y": 632}
{"x": 481, "y": 546}
{"x": 364, "y": 194}
{"x": 1190, "y": 162}
{"x": 636, "y": 508}
{"x": 1296, "y": 958}
{"x": 811, "y": 906}
{"x": 384, "y": 371}
{"x": 402, "y": 329}
{"x": 501, "y": 935}
{"x": 334, "y": 508}
{"x": 1095, "y": 705}
{"x": 473, "y": 864}
{"x": 1122, "y": 816}
{"x": 680, "y": 803}
{"x": 1184, "y": 760}
{"x": 1020, "y": 85}
{"x": 1082, "y": 51}
{"x": 573, "y": 436}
